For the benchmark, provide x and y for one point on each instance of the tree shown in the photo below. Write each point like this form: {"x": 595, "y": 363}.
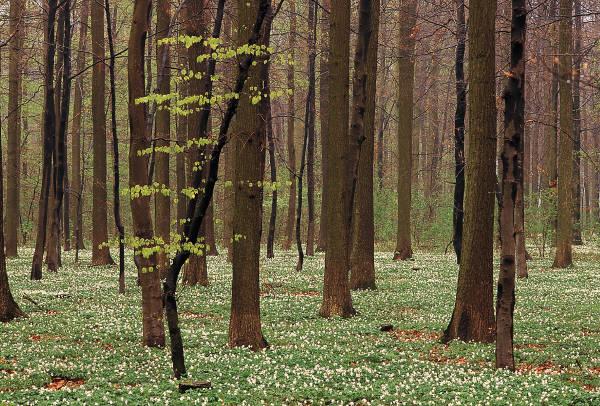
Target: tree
{"x": 324, "y": 116}
{"x": 48, "y": 135}
{"x": 564, "y": 231}
{"x": 459, "y": 131}
{"x": 406, "y": 70}
{"x": 337, "y": 299}
{"x": 196, "y": 272}
{"x": 76, "y": 173}
{"x": 291, "y": 129}
{"x": 115, "y": 140}
{"x": 512, "y": 173}
{"x": 364, "y": 88}
{"x": 250, "y": 137}
{"x": 162, "y": 202}
{"x": 13, "y": 156}
{"x": 308, "y": 144}
{"x": 473, "y": 315}
{"x": 100, "y": 252}
{"x": 9, "y": 309}
{"x": 59, "y": 167}
{"x": 153, "y": 328}
{"x": 577, "y": 199}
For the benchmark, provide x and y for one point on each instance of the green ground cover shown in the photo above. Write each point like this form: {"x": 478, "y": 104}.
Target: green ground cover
{"x": 83, "y": 330}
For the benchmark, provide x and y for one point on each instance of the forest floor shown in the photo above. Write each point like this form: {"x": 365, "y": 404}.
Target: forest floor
{"x": 81, "y": 342}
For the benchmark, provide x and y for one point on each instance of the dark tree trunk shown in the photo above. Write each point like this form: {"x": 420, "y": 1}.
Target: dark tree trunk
{"x": 9, "y": 309}
{"x": 100, "y": 252}
{"x": 512, "y": 174}
{"x": 362, "y": 261}
{"x": 13, "y": 156}
{"x": 324, "y": 117}
{"x": 153, "y": 328}
{"x": 337, "y": 299}
{"x": 310, "y": 128}
{"x": 49, "y": 134}
{"x": 162, "y": 203}
{"x": 473, "y": 315}
{"x": 459, "y": 130}
{"x": 273, "y": 174}
{"x": 564, "y": 230}
{"x": 76, "y": 172}
{"x": 291, "y": 130}
{"x": 577, "y": 226}
{"x": 406, "y": 62}
{"x": 115, "y": 141}
{"x": 197, "y": 207}
{"x": 308, "y": 143}
{"x": 250, "y": 137}
{"x": 196, "y": 272}
{"x": 60, "y": 144}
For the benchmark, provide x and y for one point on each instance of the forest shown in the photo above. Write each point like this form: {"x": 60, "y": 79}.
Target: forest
{"x": 298, "y": 202}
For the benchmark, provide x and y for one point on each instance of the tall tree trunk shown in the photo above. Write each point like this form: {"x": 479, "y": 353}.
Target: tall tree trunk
{"x": 310, "y": 131}
{"x": 459, "y": 131}
{"x": 564, "y": 231}
{"x": 196, "y": 272}
{"x": 291, "y": 129}
{"x": 324, "y": 117}
{"x": 115, "y": 140}
{"x": 406, "y": 70}
{"x": 9, "y": 309}
{"x": 362, "y": 260}
{"x": 577, "y": 226}
{"x": 273, "y": 172}
{"x": 53, "y": 254}
{"x": 162, "y": 203}
{"x": 512, "y": 173}
{"x": 153, "y": 328}
{"x": 49, "y": 134}
{"x": 100, "y": 252}
{"x": 13, "y": 156}
{"x": 76, "y": 178}
{"x": 182, "y": 127}
{"x": 337, "y": 299}
{"x": 308, "y": 144}
{"x": 473, "y": 315}
{"x": 197, "y": 207}
{"x": 250, "y": 137}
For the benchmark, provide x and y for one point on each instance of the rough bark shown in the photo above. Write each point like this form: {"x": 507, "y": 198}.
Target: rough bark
{"x": 362, "y": 260}
{"x": 512, "y": 173}
{"x": 291, "y": 130}
{"x": 152, "y": 316}
{"x": 13, "y": 156}
{"x": 577, "y": 200}
{"x": 197, "y": 207}
{"x": 473, "y": 315}
{"x": 49, "y": 133}
{"x": 196, "y": 271}
{"x": 115, "y": 141}
{"x": 9, "y": 309}
{"x": 459, "y": 131}
{"x": 406, "y": 62}
{"x": 337, "y": 300}
{"x": 250, "y": 137}
{"x": 59, "y": 168}
{"x": 162, "y": 203}
{"x": 324, "y": 117}
{"x": 564, "y": 230}
{"x": 100, "y": 251}
{"x": 76, "y": 189}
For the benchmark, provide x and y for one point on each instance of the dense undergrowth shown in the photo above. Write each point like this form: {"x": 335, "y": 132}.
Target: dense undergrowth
{"x": 81, "y": 341}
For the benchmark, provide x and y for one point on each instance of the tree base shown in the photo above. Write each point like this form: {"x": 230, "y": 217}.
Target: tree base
{"x": 470, "y": 326}
{"x": 9, "y": 310}
{"x": 403, "y": 254}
